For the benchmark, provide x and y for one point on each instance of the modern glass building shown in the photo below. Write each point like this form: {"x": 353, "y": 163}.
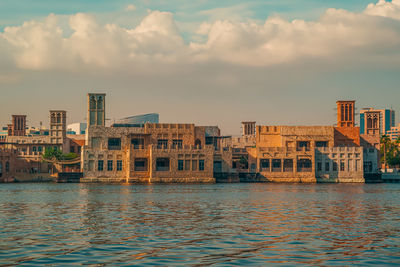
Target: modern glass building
{"x": 138, "y": 120}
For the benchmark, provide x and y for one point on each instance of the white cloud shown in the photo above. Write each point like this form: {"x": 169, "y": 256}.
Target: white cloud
{"x": 337, "y": 34}
{"x": 389, "y": 9}
{"x": 130, "y": 7}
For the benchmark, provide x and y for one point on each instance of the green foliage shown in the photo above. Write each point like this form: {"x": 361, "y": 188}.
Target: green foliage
{"x": 69, "y": 156}
{"x": 55, "y": 154}
{"x": 390, "y": 151}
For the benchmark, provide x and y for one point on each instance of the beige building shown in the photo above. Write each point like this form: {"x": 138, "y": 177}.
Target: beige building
{"x": 303, "y": 153}
{"x": 153, "y": 152}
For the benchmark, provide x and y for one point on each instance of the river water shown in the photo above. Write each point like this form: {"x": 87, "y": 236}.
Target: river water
{"x": 196, "y": 225}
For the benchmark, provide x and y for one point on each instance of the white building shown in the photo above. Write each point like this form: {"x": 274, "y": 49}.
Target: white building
{"x": 77, "y": 128}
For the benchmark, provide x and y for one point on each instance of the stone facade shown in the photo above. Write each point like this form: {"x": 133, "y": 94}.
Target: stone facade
{"x": 7, "y": 160}
{"x": 339, "y": 164}
{"x": 302, "y": 154}
{"x": 149, "y": 153}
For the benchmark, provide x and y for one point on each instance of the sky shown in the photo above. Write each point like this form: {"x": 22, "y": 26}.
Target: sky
{"x": 278, "y": 62}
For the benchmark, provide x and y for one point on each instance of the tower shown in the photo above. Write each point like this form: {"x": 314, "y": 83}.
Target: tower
{"x": 96, "y": 110}
{"x": 58, "y": 126}
{"x": 345, "y": 113}
{"x": 248, "y": 128}
{"x": 18, "y": 126}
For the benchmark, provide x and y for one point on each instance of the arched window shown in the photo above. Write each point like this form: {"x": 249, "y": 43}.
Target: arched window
{"x": 92, "y": 103}
{"x": 100, "y": 102}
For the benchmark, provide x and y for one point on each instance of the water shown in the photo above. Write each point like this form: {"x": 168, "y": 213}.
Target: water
{"x": 219, "y": 224}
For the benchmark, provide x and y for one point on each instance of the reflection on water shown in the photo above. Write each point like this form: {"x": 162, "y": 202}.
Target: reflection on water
{"x": 220, "y": 224}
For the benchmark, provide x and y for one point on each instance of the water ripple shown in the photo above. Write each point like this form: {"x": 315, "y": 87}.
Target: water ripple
{"x": 200, "y": 225}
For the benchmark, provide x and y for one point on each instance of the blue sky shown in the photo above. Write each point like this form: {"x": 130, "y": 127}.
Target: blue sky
{"x": 207, "y": 62}
{"x": 14, "y": 12}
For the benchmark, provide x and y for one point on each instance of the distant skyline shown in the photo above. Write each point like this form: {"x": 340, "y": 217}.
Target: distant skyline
{"x": 204, "y": 62}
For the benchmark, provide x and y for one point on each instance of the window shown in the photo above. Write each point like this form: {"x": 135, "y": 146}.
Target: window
{"x": 303, "y": 145}
{"x": 194, "y": 165}
{"x": 187, "y": 165}
{"x": 141, "y": 164}
{"x": 327, "y": 166}
{"x": 72, "y": 149}
{"x": 180, "y": 165}
{"x": 114, "y": 143}
{"x": 109, "y": 165}
{"x": 162, "y": 143}
{"x": 304, "y": 165}
{"x": 162, "y": 164}
{"x": 201, "y": 165}
{"x": 342, "y": 166}
{"x": 100, "y": 164}
{"x": 137, "y": 143}
{"x": 7, "y": 166}
{"x": 39, "y": 148}
{"x": 119, "y": 165}
{"x": 319, "y": 166}
{"x": 276, "y": 165}
{"x": 367, "y": 166}
{"x": 34, "y": 149}
{"x": 264, "y": 164}
{"x": 334, "y": 167}
{"x": 177, "y": 143}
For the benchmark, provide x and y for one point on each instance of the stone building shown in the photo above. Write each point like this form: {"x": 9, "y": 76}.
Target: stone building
{"x": 345, "y": 113}
{"x": 27, "y": 150}
{"x": 312, "y": 153}
{"x": 7, "y": 160}
{"x": 153, "y": 152}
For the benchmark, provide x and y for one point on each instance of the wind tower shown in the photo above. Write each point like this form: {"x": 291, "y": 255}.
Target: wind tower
{"x": 345, "y": 113}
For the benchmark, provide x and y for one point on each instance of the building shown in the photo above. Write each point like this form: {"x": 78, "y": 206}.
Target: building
{"x": 345, "y": 113}
{"x": 27, "y": 150}
{"x": 139, "y": 119}
{"x": 7, "y": 158}
{"x": 376, "y": 121}
{"x": 18, "y": 126}
{"x": 306, "y": 154}
{"x": 394, "y": 132}
{"x": 77, "y": 128}
{"x": 150, "y": 152}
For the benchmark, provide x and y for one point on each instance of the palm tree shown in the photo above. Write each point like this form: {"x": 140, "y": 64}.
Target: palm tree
{"x": 385, "y": 141}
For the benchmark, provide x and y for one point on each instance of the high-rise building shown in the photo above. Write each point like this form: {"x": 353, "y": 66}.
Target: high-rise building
{"x": 376, "y": 121}
{"x": 394, "y": 132}
{"x": 345, "y": 113}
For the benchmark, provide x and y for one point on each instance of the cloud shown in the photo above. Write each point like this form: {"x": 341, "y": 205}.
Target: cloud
{"x": 338, "y": 34}
{"x": 389, "y": 9}
{"x": 130, "y": 7}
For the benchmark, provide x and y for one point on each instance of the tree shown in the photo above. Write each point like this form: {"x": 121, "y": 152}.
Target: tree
{"x": 391, "y": 151}
{"x": 55, "y": 154}
{"x": 52, "y": 154}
